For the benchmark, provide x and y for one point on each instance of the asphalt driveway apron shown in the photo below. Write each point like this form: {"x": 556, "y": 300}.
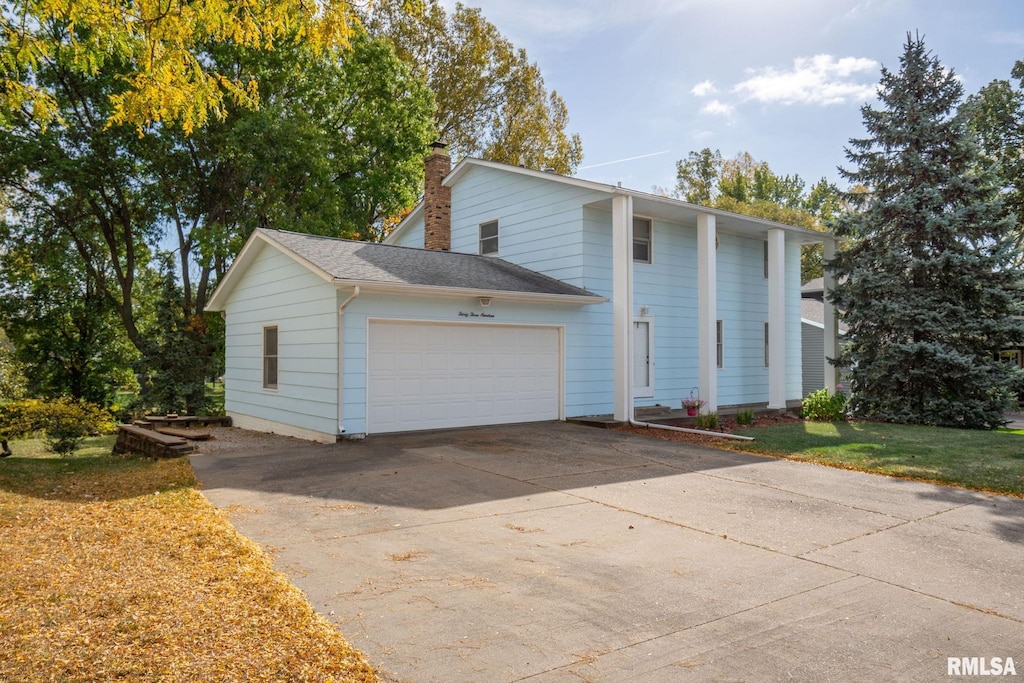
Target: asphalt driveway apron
{"x": 554, "y": 552}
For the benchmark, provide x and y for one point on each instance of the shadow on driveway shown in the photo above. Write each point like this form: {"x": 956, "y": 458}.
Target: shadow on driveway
{"x": 555, "y": 552}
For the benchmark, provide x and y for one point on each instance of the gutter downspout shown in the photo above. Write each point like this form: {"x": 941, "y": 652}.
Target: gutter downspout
{"x": 630, "y": 400}
{"x": 341, "y": 356}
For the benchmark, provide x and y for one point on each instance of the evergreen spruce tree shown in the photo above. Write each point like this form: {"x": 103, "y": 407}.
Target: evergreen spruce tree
{"x": 925, "y": 280}
{"x": 173, "y": 369}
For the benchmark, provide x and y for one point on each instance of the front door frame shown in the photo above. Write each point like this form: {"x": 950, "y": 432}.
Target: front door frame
{"x": 648, "y": 390}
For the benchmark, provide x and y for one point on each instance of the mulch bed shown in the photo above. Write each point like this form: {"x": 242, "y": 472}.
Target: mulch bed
{"x": 726, "y": 425}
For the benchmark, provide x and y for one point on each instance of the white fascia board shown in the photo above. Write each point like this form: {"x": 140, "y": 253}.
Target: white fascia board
{"x": 815, "y": 323}
{"x": 255, "y": 244}
{"x": 400, "y": 228}
{"x": 468, "y": 162}
{"x": 806, "y": 235}
{"x": 370, "y": 286}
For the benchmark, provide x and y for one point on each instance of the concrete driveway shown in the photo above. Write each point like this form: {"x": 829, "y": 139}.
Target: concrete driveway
{"x": 557, "y": 553}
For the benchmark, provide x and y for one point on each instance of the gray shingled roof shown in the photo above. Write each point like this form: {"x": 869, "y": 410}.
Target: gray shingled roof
{"x": 371, "y": 262}
{"x": 814, "y": 310}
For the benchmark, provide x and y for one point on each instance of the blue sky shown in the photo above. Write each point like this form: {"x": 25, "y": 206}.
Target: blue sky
{"x": 781, "y": 79}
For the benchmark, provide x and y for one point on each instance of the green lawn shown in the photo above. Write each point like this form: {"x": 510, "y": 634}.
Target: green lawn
{"x": 986, "y": 461}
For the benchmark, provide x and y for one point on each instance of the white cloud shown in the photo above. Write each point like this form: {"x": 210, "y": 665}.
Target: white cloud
{"x": 819, "y": 80}
{"x": 704, "y": 88}
{"x": 717, "y": 108}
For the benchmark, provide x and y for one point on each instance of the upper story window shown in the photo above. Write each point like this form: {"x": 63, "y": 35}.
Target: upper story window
{"x": 766, "y": 259}
{"x": 489, "y": 237}
{"x": 270, "y": 357}
{"x": 642, "y": 230}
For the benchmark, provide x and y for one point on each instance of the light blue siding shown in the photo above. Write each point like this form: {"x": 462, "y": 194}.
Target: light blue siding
{"x": 553, "y": 228}
{"x": 539, "y": 221}
{"x": 743, "y": 308}
{"x": 276, "y": 290}
{"x": 412, "y": 234}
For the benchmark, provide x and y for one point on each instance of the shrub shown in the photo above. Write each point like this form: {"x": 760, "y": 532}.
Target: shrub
{"x": 745, "y": 417}
{"x": 823, "y": 406}
{"x": 64, "y": 422}
{"x": 707, "y": 421}
{"x": 67, "y": 425}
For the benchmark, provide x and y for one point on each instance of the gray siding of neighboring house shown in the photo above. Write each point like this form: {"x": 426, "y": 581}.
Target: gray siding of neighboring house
{"x": 813, "y": 349}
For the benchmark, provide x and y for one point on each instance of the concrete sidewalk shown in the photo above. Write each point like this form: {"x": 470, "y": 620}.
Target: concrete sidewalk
{"x": 555, "y": 552}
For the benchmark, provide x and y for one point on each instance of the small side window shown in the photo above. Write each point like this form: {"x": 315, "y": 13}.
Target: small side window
{"x": 489, "y": 237}
{"x": 270, "y": 357}
{"x": 720, "y": 343}
{"x": 766, "y": 259}
{"x": 642, "y": 240}
{"x": 766, "y": 345}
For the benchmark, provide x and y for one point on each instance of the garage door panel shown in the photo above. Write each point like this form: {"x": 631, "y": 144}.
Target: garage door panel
{"x": 431, "y": 376}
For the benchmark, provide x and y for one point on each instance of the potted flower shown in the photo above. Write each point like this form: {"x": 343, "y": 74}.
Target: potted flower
{"x": 692, "y": 405}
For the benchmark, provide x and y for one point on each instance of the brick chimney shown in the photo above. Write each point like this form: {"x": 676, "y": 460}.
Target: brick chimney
{"x": 437, "y": 200}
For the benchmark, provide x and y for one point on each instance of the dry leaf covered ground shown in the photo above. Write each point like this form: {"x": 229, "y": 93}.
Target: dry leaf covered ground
{"x": 115, "y": 569}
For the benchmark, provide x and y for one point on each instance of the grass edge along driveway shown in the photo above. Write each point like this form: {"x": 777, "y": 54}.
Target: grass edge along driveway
{"x": 120, "y": 569}
{"x": 980, "y": 460}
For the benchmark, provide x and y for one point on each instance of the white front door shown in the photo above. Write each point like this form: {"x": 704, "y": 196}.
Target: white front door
{"x": 643, "y": 375}
{"x": 424, "y": 375}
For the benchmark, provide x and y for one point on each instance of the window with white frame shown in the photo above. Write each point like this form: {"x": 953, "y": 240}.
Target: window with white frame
{"x": 766, "y": 259}
{"x": 489, "y": 237}
{"x": 720, "y": 343}
{"x": 766, "y": 344}
{"x": 270, "y": 357}
{"x": 643, "y": 229}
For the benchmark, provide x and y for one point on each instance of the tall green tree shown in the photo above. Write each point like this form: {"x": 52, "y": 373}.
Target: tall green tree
{"x": 64, "y": 336}
{"x": 12, "y": 372}
{"x": 750, "y": 187}
{"x": 997, "y": 117}
{"x": 491, "y": 100}
{"x": 172, "y": 381}
{"x": 160, "y": 45}
{"x": 925, "y": 280}
{"x": 335, "y": 148}
{"x": 698, "y": 176}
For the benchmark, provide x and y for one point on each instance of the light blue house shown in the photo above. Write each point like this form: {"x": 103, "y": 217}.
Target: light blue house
{"x": 513, "y": 295}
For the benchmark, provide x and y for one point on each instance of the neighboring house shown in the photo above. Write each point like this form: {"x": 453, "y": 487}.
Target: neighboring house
{"x": 812, "y": 325}
{"x": 512, "y": 295}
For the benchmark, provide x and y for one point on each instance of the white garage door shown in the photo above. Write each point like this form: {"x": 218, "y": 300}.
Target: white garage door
{"x": 432, "y": 376}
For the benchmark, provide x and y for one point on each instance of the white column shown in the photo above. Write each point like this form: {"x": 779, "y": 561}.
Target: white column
{"x": 831, "y": 321}
{"x": 776, "y": 319}
{"x": 707, "y": 312}
{"x": 622, "y": 303}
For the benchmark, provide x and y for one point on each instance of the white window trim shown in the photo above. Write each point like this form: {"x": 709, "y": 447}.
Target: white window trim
{"x": 646, "y": 391}
{"x": 480, "y": 237}
{"x": 650, "y": 241}
{"x": 277, "y": 357}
